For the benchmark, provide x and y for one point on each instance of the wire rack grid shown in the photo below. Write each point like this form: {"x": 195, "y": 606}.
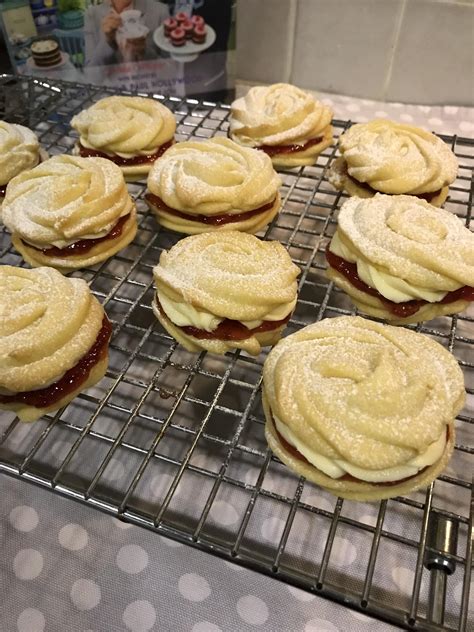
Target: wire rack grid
{"x": 174, "y": 441}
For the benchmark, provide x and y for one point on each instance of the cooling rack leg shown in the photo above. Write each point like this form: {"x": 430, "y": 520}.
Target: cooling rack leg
{"x": 443, "y": 538}
{"x": 437, "y": 596}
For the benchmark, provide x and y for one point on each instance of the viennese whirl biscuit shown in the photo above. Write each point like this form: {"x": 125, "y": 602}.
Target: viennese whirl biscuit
{"x": 225, "y": 290}
{"x": 362, "y": 409}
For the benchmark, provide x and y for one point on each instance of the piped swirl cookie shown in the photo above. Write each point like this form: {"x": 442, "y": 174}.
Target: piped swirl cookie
{"x": 54, "y": 338}
{"x": 401, "y": 259}
{"x": 362, "y": 409}
{"x": 69, "y": 212}
{"x": 285, "y": 122}
{"x": 394, "y": 158}
{"x": 213, "y": 185}
{"x": 131, "y": 131}
{"x": 225, "y": 290}
{"x": 19, "y": 151}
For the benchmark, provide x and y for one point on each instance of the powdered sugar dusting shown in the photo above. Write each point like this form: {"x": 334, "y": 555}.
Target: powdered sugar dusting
{"x": 230, "y": 274}
{"x": 373, "y": 395}
{"x": 214, "y": 176}
{"x": 130, "y": 125}
{"x": 19, "y": 150}
{"x": 47, "y": 323}
{"x": 64, "y": 199}
{"x": 397, "y": 158}
{"x": 280, "y": 114}
{"x": 409, "y": 239}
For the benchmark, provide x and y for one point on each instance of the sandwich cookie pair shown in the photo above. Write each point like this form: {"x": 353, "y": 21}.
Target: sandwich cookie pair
{"x": 401, "y": 259}
{"x": 285, "y": 122}
{"x": 213, "y": 185}
{"x": 362, "y": 409}
{"x": 225, "y": 290}
{"x": 69, "y": 212}
{"x": 132, "y": 132}
{"x": 19, "y": 151}
{"x": 54, "y": 338}
{"x": 393, "y": 158}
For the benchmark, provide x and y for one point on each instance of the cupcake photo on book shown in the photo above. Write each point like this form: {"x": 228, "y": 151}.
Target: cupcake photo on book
{"x": 184, "y": 36}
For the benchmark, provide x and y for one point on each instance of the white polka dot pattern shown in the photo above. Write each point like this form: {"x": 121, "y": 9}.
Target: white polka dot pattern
{"x": 85, "y": 594}
{"x": 224, "y": 513}
{"x": 272, "y": 528}
{"x": 252, "y": 610}
{"x": 73, "y": 537}
{"x": 132, "y": 559}
{"x": 31, "y": 620}
{"x": 28, "y": 564}
{"x": 24, "y": 518}
{"x": 139, "y": 616}
{"x": 205, "y": 626}
{"x": 343, "y": 552}
{"x": 403, "y": 578}
{"x": 194, "y": 587}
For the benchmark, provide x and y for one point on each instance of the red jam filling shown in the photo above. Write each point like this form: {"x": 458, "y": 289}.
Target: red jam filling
{"x": 84, "y": 245}
{"x": 71, "y": 380}
{"x": 273, "y": 150}
{"x": 213, "y": 220}
{"x": 227, "y": 329}
{"x": 401, "y": 310}
{"x": 87, "y": 152}
{"x": 346, "y": 477}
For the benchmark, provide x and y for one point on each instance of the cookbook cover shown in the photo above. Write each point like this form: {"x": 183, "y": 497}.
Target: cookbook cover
{"x": 177, "y": 47}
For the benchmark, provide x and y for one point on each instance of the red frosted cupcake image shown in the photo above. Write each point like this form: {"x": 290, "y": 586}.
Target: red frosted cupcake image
{"x": 169, "y": 25}
{"x": 181, "y": 17}
{"x": 188, "y": 28}
{"x": 197, "y": 20}
{"x": 178, "y": 37}
{"x": 199, "y": 35}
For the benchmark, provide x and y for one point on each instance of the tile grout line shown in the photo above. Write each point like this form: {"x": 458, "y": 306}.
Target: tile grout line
{"x": 398, "y": 29}
{"x": 291, "y": 43}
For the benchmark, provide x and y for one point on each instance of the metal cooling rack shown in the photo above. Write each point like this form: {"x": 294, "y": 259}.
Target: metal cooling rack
{"x": 168, "y": 437}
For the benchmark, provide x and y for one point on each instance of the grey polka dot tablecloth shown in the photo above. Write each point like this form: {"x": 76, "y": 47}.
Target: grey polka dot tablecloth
{"x": 65, "y": 567}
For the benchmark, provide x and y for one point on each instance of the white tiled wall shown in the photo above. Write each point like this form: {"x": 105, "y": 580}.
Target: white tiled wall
{"x": 416, "y": 51}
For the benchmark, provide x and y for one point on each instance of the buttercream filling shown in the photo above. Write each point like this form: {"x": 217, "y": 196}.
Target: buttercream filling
{"x": 338, "y": 468}
{"x": 123, "y": 159}
{"x": 71, "y": 380}
{"x": 186, "y": 315}
{"x": 401, "y": 310}
{"x": 82, "y": 246}
{"x": 226, "y": 328}
{"x": 214, "y": 220}
{"x": 391, "y": 287}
